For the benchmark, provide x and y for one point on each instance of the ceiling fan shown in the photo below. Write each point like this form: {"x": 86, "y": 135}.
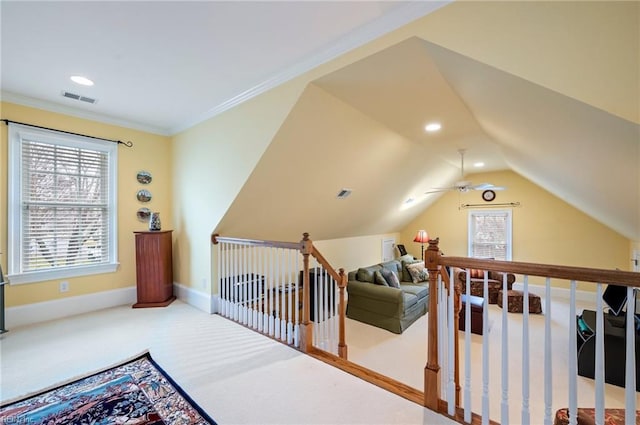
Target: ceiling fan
{"x": 465, "y": 185}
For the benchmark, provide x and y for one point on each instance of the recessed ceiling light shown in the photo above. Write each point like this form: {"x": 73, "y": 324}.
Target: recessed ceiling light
{"x": 432, "y": 127}
{"x": 478, "y": 164}
{"x": 84, "y": 81}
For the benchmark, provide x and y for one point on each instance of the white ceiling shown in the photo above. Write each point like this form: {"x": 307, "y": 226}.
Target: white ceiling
{"x": 163, "y": 66}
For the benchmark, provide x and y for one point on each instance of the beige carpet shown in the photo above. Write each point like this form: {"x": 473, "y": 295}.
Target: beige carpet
{"x": 403, "y": 357}
{"x": 236, "y": 375}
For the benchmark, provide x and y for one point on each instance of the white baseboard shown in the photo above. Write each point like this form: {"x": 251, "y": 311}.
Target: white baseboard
{"x": 64, "y": 307}
{"x": 562, "y": 293}
{"x": 197, "y": 299}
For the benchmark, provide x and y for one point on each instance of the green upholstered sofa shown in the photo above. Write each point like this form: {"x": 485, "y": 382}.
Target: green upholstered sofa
{"x": 393, "y": 309}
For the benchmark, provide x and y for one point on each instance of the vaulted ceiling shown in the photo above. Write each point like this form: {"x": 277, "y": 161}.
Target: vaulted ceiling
{"x": 163, "y": 66}
{"x": 362, "y": 127}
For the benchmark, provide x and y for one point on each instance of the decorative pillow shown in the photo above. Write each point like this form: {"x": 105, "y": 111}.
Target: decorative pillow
{"x": 367, "y": 274}
{"x": 379, "y": 279}
{"x": 477, "y": 273}
{"x": 393, "y": 265}
{"x": 418, "y": 272}
{"x": 391, "y": 278}
{"x": 406, "y": 276}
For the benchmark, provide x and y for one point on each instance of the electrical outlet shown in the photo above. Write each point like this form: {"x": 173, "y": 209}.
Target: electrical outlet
{"x": 64, "y": 286}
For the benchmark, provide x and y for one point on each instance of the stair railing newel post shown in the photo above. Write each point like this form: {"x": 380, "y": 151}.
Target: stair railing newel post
{"x": 432, "y": 369}
{"x": 306, "y": 330}
{"x": 342, "y": 344}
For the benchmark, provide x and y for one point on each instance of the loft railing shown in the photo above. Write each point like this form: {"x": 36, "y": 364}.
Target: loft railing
{"x": 286, "y": 290}
{"x": 442, "y": 381}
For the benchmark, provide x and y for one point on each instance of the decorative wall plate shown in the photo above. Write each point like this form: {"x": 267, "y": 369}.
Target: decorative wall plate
{"x": 143, "y": 195}
{"x": 144, "y": 214}
{"x": 144, "y": 177}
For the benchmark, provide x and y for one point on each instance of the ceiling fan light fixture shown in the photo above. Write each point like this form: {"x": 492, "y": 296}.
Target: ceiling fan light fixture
{"x": 432, "y": 127}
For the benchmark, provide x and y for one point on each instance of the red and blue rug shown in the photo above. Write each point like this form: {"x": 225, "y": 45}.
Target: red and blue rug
{"x": 135, "y": 392}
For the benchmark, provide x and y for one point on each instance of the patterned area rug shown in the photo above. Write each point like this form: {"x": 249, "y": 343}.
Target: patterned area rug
{"x": 135, "y": 392}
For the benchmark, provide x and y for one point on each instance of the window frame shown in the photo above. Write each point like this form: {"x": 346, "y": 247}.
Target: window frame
{"x": 16, "y": 134}
{"x": 508, "y": 230}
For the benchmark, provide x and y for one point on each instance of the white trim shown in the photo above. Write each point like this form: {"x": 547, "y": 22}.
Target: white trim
{"x": 70, "y": 306}
{"x": 562, "y": 293}
{"x": 46, "y": 105}
{"x": 200, "y": 300}
{"x": 16, "y": 134}
{"x": 377, "y": 28}
{"x": 509, "y": 229}
{"x": 62, "y": 273}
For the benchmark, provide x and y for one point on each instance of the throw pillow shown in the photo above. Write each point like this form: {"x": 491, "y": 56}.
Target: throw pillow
{"x": 418, "y": 272}
{"x": 391, "y": 278}
{"x": 406, "y": 276}
{"x": 379, "y": 279}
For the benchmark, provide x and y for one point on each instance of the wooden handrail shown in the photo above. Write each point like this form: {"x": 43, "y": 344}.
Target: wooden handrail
{"x": 216, "y": 239}
{"x": 582, "y": 274}
{"x": 325, "y": 264}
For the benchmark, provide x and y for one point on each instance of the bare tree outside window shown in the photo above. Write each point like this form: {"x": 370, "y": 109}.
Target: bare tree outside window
{"x": 65, "y": 206}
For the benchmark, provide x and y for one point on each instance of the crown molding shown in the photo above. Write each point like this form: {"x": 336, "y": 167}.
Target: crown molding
{"x": 357, "y": 38}
{"x": 68, "y": 110}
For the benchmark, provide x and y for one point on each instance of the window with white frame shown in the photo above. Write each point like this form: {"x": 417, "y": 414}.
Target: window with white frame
{"x": 490, "y": 234}
{"x": 62, "y": 205}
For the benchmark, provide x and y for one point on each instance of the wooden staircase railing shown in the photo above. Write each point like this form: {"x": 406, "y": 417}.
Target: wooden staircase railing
{"x": 256, "y": 289}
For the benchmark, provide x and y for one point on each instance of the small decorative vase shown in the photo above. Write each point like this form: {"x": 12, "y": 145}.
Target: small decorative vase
{"x": 154, "y": 221}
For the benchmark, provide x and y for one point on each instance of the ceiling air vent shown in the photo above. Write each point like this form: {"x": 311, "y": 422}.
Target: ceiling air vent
{"x": 78, "y": 97}
{"x": 343, "y": 193}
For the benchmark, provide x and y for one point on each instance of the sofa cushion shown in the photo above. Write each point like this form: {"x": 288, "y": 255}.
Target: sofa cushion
{"x": 390, "y": 277}
{"x": 379, "y": 279}
{"x": 409, "y": 300}
{"x": 367, "y": 274}
{"x": 394, "y": 265}
{"x": 417, "y": 290}
{"x": 418, "y": 272}
{"x": 406, "y": 276}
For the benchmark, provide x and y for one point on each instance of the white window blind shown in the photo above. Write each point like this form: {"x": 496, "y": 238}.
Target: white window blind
{"x": 63, "y": 192}
{"x": 490, "y": 234}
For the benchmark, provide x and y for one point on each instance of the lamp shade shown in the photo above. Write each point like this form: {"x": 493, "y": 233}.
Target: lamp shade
{"x": 421, "y": 236}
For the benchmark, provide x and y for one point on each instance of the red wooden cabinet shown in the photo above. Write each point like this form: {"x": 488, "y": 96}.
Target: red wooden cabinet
{"x": 154, "y": 269}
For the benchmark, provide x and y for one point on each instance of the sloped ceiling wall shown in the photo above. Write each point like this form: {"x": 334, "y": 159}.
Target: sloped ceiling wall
{"x": 361, "y": 128}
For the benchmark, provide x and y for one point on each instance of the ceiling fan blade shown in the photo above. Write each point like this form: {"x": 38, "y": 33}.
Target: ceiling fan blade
{"x": 439, "y": 189}
{"x": 486, "y": 186}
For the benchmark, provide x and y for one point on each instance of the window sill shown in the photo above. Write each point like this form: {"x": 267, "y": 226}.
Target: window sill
{"x": 41, "y": 276}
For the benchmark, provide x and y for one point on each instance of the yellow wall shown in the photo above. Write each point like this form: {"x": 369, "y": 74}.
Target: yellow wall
{"x": 545, "y": 228}
{"x": 150, "y": 152}
{"x": 352, "y": 253}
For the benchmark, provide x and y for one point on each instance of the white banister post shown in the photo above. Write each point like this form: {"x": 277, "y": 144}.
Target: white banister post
{"x": 485, "y": 350}
{"x": 467, "y": 350}
{"x": 451, "y": 335}
{"x": 599, "y": 364}
{"x": 573, "y": 357}
{"x": 548, "y": 375}
{"x": 630, "y": 367}
{"x": 504, "y": 411}
{"x": 526, "y": 415}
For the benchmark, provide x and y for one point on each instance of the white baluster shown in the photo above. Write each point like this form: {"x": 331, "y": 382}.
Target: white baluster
{"x": 221, "y": 278}
{"x": 504, "y": 404}
{"x": 485, "y": 351}
{"x": 467, "y": 348}
{"x": 573, "y": 357}
{"x": 630, "y": 367}
{"x": 599, "y": 364}
{"x": 548, "y": 352}
{"x": 442, "y": 330}
{"x": 526, "y": 414}
{"x": 451, "y": 337}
